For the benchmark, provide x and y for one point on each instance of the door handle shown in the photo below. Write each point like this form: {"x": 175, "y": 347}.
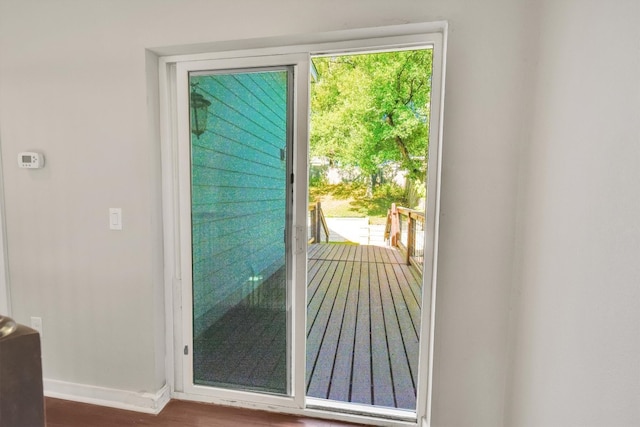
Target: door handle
{"x": 300, "y": 239}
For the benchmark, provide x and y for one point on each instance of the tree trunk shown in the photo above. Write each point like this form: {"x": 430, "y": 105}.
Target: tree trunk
{"x": 372, "y": 187}
{"x": 411, "y": 193}
{"x": 399, "y": 142}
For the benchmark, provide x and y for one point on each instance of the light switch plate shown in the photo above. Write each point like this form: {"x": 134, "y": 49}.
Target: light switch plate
{"x": 115, "y": 218}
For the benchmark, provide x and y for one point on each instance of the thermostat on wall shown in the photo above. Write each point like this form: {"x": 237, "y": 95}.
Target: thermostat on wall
{"x": 30, "y": 160}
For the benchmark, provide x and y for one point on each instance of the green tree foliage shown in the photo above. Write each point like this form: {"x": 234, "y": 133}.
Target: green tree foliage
{"x": 371, "y": 109}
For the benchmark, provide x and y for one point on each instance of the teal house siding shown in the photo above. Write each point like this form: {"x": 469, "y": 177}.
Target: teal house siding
{"x": 238, "y": 190}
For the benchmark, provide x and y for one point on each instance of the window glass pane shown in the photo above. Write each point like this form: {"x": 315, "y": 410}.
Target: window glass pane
{"x": 239, "y": 148}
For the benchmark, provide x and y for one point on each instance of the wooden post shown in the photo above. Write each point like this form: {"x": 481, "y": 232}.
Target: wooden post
{"x": 411, "y": 238}
{"x": 387, "y": 227}
{"x": 312, "y": 225}
{"x": 318, "y": 224}
{"x": 395, "y": 226}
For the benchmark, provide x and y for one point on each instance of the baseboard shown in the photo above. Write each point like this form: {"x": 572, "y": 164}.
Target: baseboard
{"x": 150, "y": 403}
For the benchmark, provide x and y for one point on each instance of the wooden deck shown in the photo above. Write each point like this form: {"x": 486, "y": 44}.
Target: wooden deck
{"x": 363, "y": 319}
{"x": 247, "y": 348}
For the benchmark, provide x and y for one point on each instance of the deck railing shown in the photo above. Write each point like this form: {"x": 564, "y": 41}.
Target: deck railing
{"x": 405, "y": 230}
{"x": 317, "y": 224}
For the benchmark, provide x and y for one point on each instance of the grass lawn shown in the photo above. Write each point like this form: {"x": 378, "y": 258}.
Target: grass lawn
{"x": 350, "y": 200}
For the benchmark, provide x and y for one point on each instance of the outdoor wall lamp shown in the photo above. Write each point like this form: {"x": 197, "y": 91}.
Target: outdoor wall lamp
{"x": 199, "y": 112}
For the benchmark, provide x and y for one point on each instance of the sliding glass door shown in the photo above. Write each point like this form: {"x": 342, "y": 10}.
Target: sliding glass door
{"x": 248, "y": 305}
{"x": 237, "y": 207}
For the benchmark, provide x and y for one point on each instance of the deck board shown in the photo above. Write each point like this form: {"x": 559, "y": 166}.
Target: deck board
{"x": 363, "y": 346}
{"x": 236, "y": 344}
{"x": 411, "y": 301}
{"x": 361, "y": 374}
{"x": 320, "y": 381}
{"x": 382, "y": 384}
{"x": 340, "y": 383}
{"x": 403, "y": 385}
{"x": 409, "y": 329}
{"x": 317, "y": 279}
{"x": 261, "y": 370}
{"x": 323, "y": 301}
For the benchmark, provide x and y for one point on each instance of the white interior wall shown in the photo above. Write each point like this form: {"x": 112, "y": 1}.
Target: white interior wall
{"x": 577, "y": 340}
{"x": 76, "y": 83}
{"x": 483, "y": 118}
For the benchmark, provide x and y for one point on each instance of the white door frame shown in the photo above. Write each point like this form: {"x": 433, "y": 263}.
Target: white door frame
{"x": 297, "y": 49}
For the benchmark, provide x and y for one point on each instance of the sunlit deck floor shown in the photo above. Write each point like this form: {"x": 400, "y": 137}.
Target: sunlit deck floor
{"x": 363, "y": 318}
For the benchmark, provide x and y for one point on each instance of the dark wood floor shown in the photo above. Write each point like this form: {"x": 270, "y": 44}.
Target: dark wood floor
{"x": 62, "y": 413}
{"x": 363, "y": 321}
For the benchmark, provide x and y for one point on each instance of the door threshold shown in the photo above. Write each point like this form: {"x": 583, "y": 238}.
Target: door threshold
{"x": 316, "y": 408}
{"x": 369, "y": 411}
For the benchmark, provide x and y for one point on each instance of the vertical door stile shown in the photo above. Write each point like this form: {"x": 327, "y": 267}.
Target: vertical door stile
{"x": 301, "y": 110}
